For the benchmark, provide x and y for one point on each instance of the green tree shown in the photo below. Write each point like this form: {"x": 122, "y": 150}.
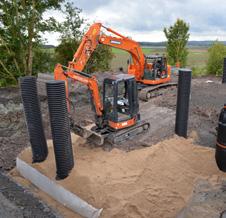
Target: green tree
{"x": 216, "y": 53}
{"x": 70, "y": 40}
{"x": 21, "y": 26}
{"x": 177, "y": 38}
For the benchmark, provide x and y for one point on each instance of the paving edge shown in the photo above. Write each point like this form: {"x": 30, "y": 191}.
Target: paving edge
{"x": 56, "y": 191}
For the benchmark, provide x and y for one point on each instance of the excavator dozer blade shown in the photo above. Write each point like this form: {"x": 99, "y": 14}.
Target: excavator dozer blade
{"x": 87, "y": 133}
{"x": 113, "y": 137}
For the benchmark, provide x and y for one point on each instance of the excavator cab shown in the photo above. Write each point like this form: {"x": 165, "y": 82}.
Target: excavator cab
{"x": 157, "y": 67}
{"x": 120, "y": 101}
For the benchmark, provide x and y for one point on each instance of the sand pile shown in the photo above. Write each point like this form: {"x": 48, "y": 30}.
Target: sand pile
{"x": 152, "y": 182}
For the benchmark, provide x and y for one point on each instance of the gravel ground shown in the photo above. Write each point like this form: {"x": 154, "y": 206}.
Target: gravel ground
{"x": 15, "y": 201}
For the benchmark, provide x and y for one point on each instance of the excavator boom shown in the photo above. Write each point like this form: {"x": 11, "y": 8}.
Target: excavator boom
{"x": 87, "y": 46}
{"x": 94, "y": 36}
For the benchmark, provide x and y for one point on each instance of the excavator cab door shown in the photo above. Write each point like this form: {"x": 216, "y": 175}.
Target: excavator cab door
{"x": 120, "y": 100}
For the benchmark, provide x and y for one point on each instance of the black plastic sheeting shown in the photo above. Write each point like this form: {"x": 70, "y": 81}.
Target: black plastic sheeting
{"x": 220, "y": 154}
{"x": 33, "y": 118}
{"x": 183, "y": 98}
{"x": 60, "y": 128}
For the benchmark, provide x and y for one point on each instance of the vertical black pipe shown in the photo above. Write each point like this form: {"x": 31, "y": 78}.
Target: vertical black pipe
{"x": 224, "y": 72}
{"x": 60, "y": 128}
{"x": 33, "y": 118}
{"x": 220, "y": 153}
{"x": 183, "y": 98}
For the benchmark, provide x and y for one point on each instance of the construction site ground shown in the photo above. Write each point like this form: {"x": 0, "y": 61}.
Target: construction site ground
{"x": 207, "y": 99}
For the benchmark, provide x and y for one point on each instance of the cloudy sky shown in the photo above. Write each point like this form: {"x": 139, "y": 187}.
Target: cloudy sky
{"x": 144, "y": 20}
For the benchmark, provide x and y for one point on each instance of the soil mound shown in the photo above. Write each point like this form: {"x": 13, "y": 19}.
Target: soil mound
{"x": 156, "y": 181}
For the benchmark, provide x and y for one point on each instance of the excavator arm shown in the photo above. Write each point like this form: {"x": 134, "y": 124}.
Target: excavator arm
{"x": 89, "y": 81}
{"x": 86, "y": 48}
{"x": 93, "y": 37}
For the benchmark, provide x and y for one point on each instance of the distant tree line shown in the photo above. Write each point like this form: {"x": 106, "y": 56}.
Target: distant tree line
{"x": 204, "y": 44}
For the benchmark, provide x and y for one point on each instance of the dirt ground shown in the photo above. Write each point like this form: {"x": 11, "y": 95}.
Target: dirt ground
{"x": 138, "y": 183}
{"x": 207, "y": 98}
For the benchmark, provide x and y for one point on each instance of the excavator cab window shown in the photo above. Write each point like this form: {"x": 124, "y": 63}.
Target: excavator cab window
{"x": 158, "y": 67}
{"x": 123, "y": 103}
{"x": 108, "y": 100}
{"x": 120, "y": 98}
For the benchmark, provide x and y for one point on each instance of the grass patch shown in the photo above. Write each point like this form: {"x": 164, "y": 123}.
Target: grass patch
{"x": 199, "y": 71}
{"x": 197, "y": 57}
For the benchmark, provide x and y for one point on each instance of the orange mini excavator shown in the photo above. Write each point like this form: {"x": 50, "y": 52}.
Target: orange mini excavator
{"x": 151, "y": 72}
{"x": 117, "y": 116}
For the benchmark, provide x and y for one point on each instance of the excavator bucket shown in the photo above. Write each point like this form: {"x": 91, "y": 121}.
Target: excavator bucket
{"x": 86, "y": 131}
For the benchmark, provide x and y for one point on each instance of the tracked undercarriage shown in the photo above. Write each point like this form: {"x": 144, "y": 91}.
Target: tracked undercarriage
{"x": 148, "y": 92}
{"x": 90, "y": 132}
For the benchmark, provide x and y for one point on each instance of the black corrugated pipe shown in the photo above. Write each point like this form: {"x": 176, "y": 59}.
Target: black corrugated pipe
{"x": 60, "y": 128}
{"x": 224, "y": 72}
{"x": 220, "y": 154}
{"x": 33, "y": 118}
{"x": 183, "y": 98}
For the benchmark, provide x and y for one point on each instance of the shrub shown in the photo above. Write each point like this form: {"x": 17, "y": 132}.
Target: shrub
{"x": 99, "y": 61}
{"x": 216, "y": 52}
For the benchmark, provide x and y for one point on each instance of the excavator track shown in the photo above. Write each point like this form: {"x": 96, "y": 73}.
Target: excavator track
{"x": 106, "y": 135}
{"x": 148, "y": 92}
{"x": 129, "y": 133}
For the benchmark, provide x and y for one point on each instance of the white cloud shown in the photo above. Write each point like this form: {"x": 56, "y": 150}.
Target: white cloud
{"x": 144, "y": 20}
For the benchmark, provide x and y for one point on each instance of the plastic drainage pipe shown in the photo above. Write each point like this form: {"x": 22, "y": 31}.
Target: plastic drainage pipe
{"x": 224, "y": 72}
{"x": 33, "y": 117}
{"x": 220, "y": 153}
{"x": 183, "y": 98}
{"x": 56, "y": 191}
{"x": 60, "y": 128}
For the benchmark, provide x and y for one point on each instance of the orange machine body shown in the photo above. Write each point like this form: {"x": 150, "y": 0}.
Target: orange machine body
{"x": 92, "y": 84}
{"x": 123, "y": 124}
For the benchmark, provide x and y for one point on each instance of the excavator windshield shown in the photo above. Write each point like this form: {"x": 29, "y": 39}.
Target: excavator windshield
{"x": 119, "y": 98}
